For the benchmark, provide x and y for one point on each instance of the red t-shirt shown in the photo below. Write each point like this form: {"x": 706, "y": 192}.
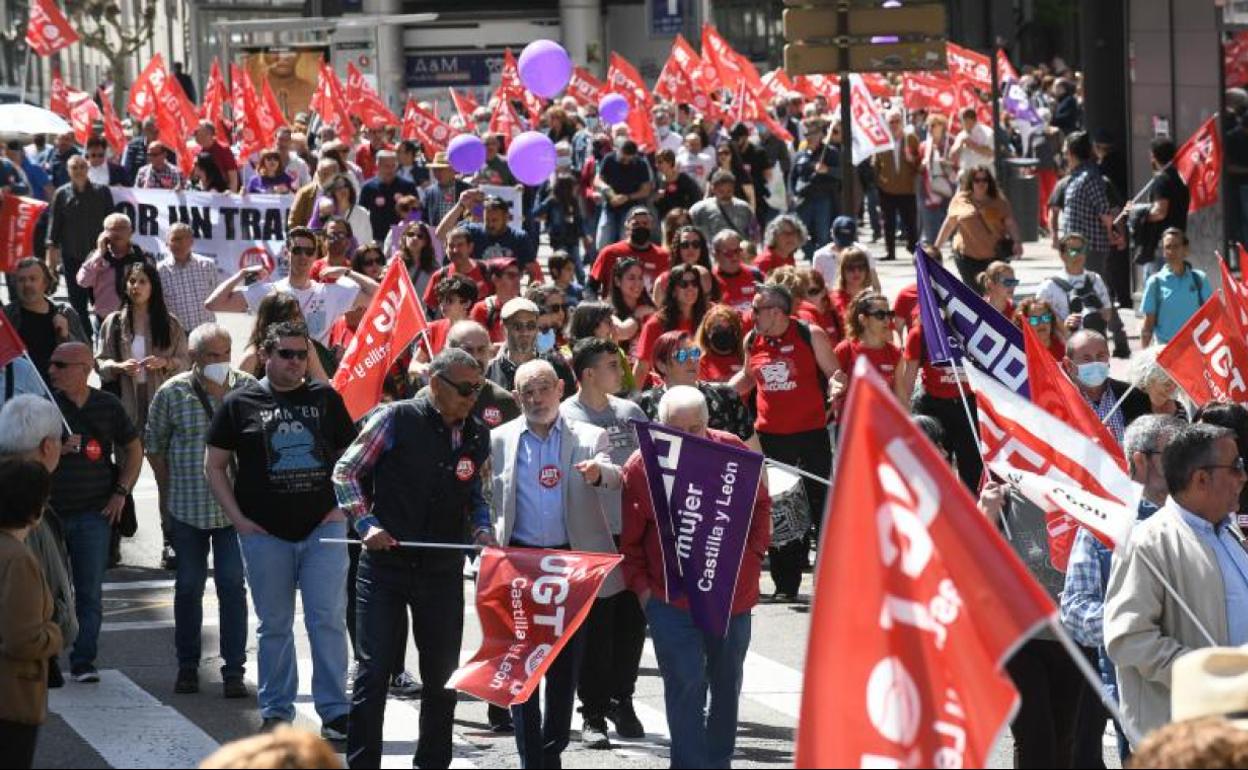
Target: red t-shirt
{"x": 937, "y": 381}
{"x": 654, "y": 261}
{"x": 738, "y": 290}
{"x": 224, "y": 158}
{"x": 906, "y": 306}
{"x": 806, "y": 311}
{"x": 438, "y": 331}
{"x": 885, "y": 359}
{"x": 1057, "y": 348}
{"x": 770, "y": 260}
{"x": 840, "y": 302}
{"x": 651, "y": 330}
{"x": 489, "y": 313}
{"x": 716, "y": 367}
{"x": 790, "y": 393}
{"x": 476, "y": 275}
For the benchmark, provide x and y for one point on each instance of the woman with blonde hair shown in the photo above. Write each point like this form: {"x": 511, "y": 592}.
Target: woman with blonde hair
{"x": 996, "y": 285}
{"x": 853, "y": 274}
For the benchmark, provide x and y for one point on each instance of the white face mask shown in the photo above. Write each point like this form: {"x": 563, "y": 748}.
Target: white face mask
{"x": 217, "y": 373}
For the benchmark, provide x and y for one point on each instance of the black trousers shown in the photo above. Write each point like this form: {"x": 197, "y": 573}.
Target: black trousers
{"x": 79, "y": 299}
{"x": 1090, "y": 720}
{"x": 812, "y": 452}
{"x": 400, "y": 642}
{"x": 904, "y": 207}
{"x": 951, "y": 415}
{"x": 970, "y": 269}
{"x": 386, "y": 591}
{"x": 18, "y": 741}
{"x": 615, "y": 634}
{"x": 544, "y": 724}
{"x": 1051, "y": 687}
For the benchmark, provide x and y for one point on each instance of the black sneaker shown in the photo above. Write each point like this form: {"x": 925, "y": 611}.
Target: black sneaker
{"x": 335, "y": 730}
{"x": 594, "y": 734}
{"x": 627, "y": 725}
{"x": 188, "y": 681}
{"x": 500, "y": 720}
{"x": 404, "y": 685}
{"x": 84, "y": 674}
{"x": 56, "y": 679}
{"x": 272, "y": 723}
{"x": 233, "y": 687}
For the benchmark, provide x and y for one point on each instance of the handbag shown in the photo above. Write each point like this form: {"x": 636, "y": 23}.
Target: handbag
{"x": 1003, "y": 249}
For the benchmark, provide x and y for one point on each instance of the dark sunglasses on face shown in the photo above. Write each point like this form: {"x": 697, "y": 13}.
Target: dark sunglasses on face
{"x": 337, "y": 236}
{"x": 1040, "y": 320}
{"x": 689, "y": 244}
{"x": 62, "y": 364}
{"x": 1075, "y": 251}
{"x": 302, "y": 251}
{"x": 377, "y": 262}
{"x": 687, "y": 354}
{"x": 980, "y": 180}
{"x": 691, "y": 283}
{"x": 528, "y": 326}
{"x": 1010, "y": 283}
{"x": 463, "y": 389}
{"x": 879, "y": 315}
{"x": 556, "y": 308}
{"x": 286, "y": 354}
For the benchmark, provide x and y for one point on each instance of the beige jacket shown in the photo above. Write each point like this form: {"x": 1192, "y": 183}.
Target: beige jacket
{"x": 1145, "y": 629}
{"x": 28, "y": 637}
{"x": 114, "y": 346}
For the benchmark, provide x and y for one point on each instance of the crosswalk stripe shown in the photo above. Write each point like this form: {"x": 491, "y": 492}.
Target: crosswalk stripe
{"x": 106, "y": 715}
{"x": 764, "y": 681}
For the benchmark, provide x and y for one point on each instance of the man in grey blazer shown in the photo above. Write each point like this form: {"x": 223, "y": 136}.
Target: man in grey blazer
{"x": 549, "y": 475}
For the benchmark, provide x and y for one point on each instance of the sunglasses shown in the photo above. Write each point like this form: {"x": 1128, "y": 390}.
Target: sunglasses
{"x": 687, "y": 354}
{"x": 1010, "y": 283}
{"x": 689, "y": 244}
{"x": 556, "y": 308}
{"x": 63, "y": 364}
{"x": 528, "y": 326}
{"x": 418, "y": 234}
{"x": 372, "y": 262}
{"x": 302, "y": 251}
{"x": 338, "y": 236}
{"x": 1040, "y": 320}
{"x": 692, "y": 283}
{"x": 980, "y": 180}
{"x": 286, "y": 354}
{"x": 879, "y": 315}
{"x": 1075, "y": 252}
{"x": 463, "y": 389}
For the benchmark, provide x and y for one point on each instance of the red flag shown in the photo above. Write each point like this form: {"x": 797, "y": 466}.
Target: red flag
{"x": 918, "y": 603}
{"x": 17, "y": 230}
{"x": 720, "y": 55}
{"x": 1199, "y": 162}
{"x": 930, "y": 91}
{"x": 274, "y": 109}
{"x": 972, "y": 66}
{"x": 1005, "y": 70}
{"x": 511, "y": 86}
{"x": 878, "y": 85}
{"x": 534, "y": 106}
{"x": 505, "y": 121}
{"x": 391, "y": 322}
{"x": 48, "y": 31}
{"x": 114, "y": 134}
{"x": 584, "y": 87}
{"x": 82, "y": 115}
{"x": 1207, "y": 358}
{"x": 749, "y": 107}
{"x": 623, "y": 78}
{"x": 60, "y": 96}
{"x": 331, "y": 102}
{"x": 11, "y": 345}
{"x": 151, "y": 81}
{"x": 674, "y": 83}
{"x": 426, "y": 127}
{"x": 465, "y": 105}
{"x": 1235, "y": 294}
{"x": 776, "y": 85}
{"x": 215, "y": 95}
{"x": 248, "y": 112}
{"x": 530, "y": 602}
{"x": 701, "y": 76}
{"x": 364, "y": 101}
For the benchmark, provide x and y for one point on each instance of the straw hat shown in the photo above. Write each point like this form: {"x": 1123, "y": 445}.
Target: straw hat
{"x": 439, "y": 161}
{"x": 1211, "y": 682}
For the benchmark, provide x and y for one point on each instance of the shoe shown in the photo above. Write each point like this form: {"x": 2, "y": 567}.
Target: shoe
{"x": 168, "y": 558}
{"x": 56, "y": 679}
{"x": 500, "y": 720}
{"x": 335, "y": 730}
{"x": 272, "y": 723}
{"x": 188, "y": 681}
{"x": 780, "y": 597}
{"x": 594, "y": 734}
{"x": 404, "y": 685}
{"x": 233, "y": 687}
{"x": 84, "y": 674}
{"x": 624, "y": 717}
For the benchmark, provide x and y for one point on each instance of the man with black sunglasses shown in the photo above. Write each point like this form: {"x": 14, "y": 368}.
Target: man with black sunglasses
{"x": 431, "y": 444}
{"x": 283, "y": 436}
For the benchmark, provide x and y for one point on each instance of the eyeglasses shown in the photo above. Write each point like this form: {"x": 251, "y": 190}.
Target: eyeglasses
{"x": 286, "y": 354}
{"x": 855, "y": 268}
{"x": 463, "y": 389}
{"x": 302, "y": 251}
{"x": 419, "y": 234}
{"x": 1040, "y": 320}
{"x": 879, "y": 315}
{"x": 687, "y": 354}
{"x": 338, "y": 236}
{"x": 556, "y": 308}
{"x": 1076, "y": 251}
{"x": 691, "y": 283}
{"x": 1237, "y": 466}
{"x": 529, "y": 326}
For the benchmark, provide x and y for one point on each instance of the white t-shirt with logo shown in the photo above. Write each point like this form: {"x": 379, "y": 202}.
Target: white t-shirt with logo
{"x": 322, "y": 303}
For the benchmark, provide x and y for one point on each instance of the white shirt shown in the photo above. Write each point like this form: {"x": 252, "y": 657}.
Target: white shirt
{"x": 697, "y": 165}
{"x": 827, "y": 261}
{"x": 322, "y": 303}
{"x": 673, "y": 141}
{"x": 970, "y": 157}
{"x": 1055, "y": 295}
{"x": 298, "y": 169}
{"x": 98, "y": 174}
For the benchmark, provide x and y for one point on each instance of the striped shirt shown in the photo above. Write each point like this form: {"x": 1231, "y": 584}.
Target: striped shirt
{"x": 186, "y": 287}
{"x": 168, "y": 178}
{"x": 177, "y": 429}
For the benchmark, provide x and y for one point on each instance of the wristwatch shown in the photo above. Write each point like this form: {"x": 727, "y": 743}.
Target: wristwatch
{"x": 121, "y": 490}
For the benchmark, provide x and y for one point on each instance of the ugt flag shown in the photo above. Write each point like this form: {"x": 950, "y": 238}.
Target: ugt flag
{"x": 703, "y": 494}
{"x": 530, "y": 603}
{"x": 918, "y": 603}
{"x": 958, "y": 323}
{"x": 1207, "y": 358}
{"x": 48, "y": 31}
{"x": 392, "y": 321}
{"x": 17, "y": 229}
{"x": 1199, "y": 162}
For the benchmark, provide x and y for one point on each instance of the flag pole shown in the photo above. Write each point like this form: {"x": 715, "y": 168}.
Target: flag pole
{"x": 966, "y": 408}
{"x": 1105, "y": 419}
{"x": 48, "y": 391}
{"x": 796, "y": 471}
{"x": 408, "y": 544}
{"x": 1178, "y": 599}
{"x": 25, "y": 73}
{"x": 1094, "y": 679}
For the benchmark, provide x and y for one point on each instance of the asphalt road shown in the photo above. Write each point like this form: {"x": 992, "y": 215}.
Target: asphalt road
{"x": 134, "y": 719}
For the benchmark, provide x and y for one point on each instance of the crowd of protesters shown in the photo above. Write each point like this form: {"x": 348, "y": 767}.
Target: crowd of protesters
{"x": 713, "y": 283}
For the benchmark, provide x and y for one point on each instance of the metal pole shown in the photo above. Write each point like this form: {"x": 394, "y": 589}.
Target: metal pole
{"x": 847, "y": 120}
{"x": 25, "y": 73}
{"x": 1094, "y": 680}
{"x": 996, "y": 88}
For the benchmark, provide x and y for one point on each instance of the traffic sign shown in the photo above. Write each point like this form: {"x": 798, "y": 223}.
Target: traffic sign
{"x": 823, "y": 22}
{"x": 805, "y": 59}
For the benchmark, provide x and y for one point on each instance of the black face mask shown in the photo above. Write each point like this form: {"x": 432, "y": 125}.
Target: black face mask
{"x": 723, "y": 340}
{"x": 639, "y": 236}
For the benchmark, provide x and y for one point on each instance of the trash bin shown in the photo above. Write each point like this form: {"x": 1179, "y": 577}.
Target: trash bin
{"x": 1022, "y": 189}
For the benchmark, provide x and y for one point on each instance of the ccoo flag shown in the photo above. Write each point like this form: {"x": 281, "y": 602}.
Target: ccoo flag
{"x": 703, "y": 494}
{"x": 530, "y": 603}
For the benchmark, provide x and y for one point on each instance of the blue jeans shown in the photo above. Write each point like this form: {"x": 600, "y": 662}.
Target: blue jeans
{"x": 931, "y": 221}
{"x": 693, "y": 662}
{"x": 87, "y": 538}
{"x": 816, "y": 213}
{"x": 610, "y": 226}
{"x": 275, "y": 569}
{"x": 543, "y": 728}
{"x": 192, "y": 545}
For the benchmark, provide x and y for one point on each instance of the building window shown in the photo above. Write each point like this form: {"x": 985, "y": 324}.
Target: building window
{"x": 754, "y": 28}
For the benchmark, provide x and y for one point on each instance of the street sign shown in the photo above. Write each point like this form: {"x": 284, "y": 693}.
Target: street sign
{"x": 873, "y": 38}
{"x": 803, "y": 59}
{"x": 667, "y": 17}
{"x": 813, "y": 23}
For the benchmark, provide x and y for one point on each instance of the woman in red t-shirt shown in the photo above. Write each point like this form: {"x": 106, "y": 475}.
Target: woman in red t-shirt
{"x": 720, "y": 337}
{"x": 996, "y": 285}
{"x": 1040, "y": 315}
{"x": 688, "y": 247}
{"x": 631, "y": 302}
{"x": 682, "y": 309}
{"x": 784, "y": 236}
{"x": 852, "y": 276}
{"x": 869, "y": 332}
{"x": 817, "y": 293}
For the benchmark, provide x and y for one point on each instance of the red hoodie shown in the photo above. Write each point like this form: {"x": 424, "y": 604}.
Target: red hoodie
{"x": 639, "y": 540}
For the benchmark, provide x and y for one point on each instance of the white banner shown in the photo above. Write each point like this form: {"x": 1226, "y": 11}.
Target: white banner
{"x": 235, "y": 230}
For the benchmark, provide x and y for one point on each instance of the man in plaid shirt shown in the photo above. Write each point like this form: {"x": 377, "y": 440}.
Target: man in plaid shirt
{"x": 187, "y": 279}
{"x": 1087, "y": 573}
{"x": 159, "y": 173}
{"x": 177, "y": 430}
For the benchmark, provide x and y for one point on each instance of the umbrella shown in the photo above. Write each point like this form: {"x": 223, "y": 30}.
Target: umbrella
{"x": 28, "y": 119}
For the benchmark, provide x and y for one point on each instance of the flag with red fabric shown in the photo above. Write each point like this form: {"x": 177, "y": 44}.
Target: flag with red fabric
{"x": 465, "y": 105}
{"x": 1235, "y": 294}
{"x": 248, "y": 112}
{"x": 1005, "y": 69}
{"x": 918, "y": 604}
{"x": 748, "y": 106}
{"x": 390, "y": 324}
{"x": 511, "y": 85}
{"x": 114, "y": 134}
{"x": 1199, "y": 162}
{"x": 623, "y": 78}
{"x": 17, "y": 230}
{"x": 273, "y": 107}
{"x": 330, "y": 101}
{"x": 931, "y": 91}
{"x": 47, "y": 30}
{"x": 674, "y": 84}
{"x": 776, "y": 85}
{"x": 505, "y": 121}
{"x": 425, "y": 127}
{"x": 364, "y": 102}
{"x": 1109, "y": 521}
{"x": 728, "y": 64}
{"x": 151, "y": 80}
{"x": 83, "y": 113}
{"x": 1207, "y": 358}
{"x": 59, "y": 99}
{"x": 534, "y": 106}
{"x": 584, "y": 87}
{"x": 212, "y": 107}
{"x": 702, "y": 78}
{"x": 971, "y": 73}
{"x": 878, "y": 85}
{"x": 11, "y": 345}
{"x": 176, "y": 117}
{"x": 530, "y": 602}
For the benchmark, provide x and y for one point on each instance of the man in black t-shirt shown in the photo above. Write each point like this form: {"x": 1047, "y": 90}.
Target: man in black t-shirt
{"x": 89, "y": 491}
{"x": 284, "y": 434}
{"x": 750, "y": 162}
{"x": 1170, "y": 197}
{"x": 624, "y": 180}
{"x": 40, "y": 322}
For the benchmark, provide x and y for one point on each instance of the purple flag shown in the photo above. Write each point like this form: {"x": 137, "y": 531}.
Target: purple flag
{"x": 703, "y": 494}
{"x": 958, "y": 323}
{"x": 1015, "y": 102}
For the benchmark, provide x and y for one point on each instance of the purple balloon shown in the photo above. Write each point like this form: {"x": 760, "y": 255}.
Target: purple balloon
{"x": 545, "y": 68}
{"x": 613, "y": 109}
{"x": 466, "y": 153}
{"x": 532, "y": 157}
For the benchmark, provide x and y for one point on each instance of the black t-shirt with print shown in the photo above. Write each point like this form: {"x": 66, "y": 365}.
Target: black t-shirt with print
{"x": 84, "y": 480}
{"x": 286, "y": 444}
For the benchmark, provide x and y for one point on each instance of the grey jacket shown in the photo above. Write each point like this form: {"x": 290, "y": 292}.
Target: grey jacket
{"x": 47, "y": 542}
{"x": 584, "y": 516}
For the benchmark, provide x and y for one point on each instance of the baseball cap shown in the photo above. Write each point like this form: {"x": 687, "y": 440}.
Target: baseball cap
{"x": 844, "y": 231}
{"x": 520, "y": 305}
{"x": 497, "y": 265}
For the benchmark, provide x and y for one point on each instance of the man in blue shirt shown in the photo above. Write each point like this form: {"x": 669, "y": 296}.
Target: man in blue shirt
{"x": 1174, "y": 294}
{"x": 378, "y": 194}
{"x": 493, "y": 237}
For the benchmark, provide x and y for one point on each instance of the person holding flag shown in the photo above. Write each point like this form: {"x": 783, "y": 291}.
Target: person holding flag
{"x": 692, "y": 662}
